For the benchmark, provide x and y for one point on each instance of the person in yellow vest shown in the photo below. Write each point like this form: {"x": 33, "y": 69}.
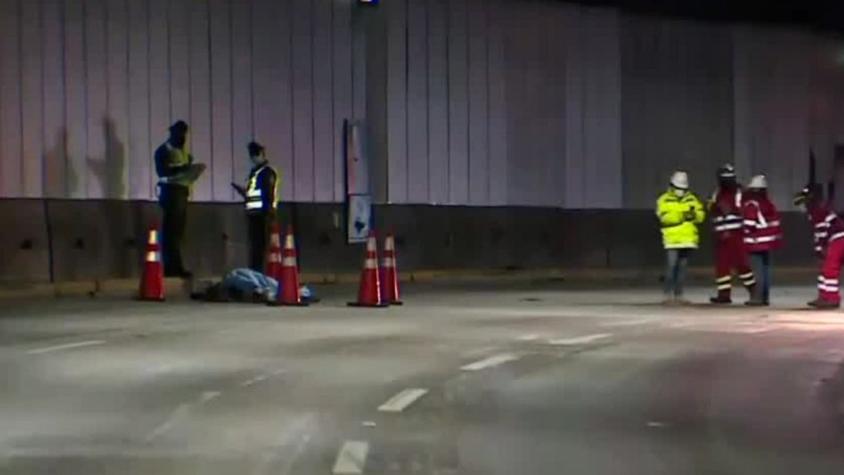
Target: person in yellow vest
{"x": 174, "y": 164}
{"x": 680, "y": 213}
{"x": 260, "y": 198}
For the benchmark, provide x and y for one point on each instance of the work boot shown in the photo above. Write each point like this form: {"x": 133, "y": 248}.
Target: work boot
{"x": 756, "y": 303}
{"x": 822, "y": 304}
{"x": 720, "y": 300}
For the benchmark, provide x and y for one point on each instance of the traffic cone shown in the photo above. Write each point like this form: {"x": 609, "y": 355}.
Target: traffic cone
{"x": 152, "y": 278}
{"x": 288, "y": 280}
{"x": 369, "y": 294}
{"x": 390, "y": 272}
{"x": 273, "y": 267}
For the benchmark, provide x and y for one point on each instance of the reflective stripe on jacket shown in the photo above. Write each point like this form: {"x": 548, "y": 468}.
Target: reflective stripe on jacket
{"x": 762, "y": 228}
{"x": 679, "y": 232}
{"x": 261, "y": 189}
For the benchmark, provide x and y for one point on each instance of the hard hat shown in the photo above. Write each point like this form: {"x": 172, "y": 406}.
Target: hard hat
{"x": 680, "y": 180}
{"x": 759, "y": 182}
{"x": 727, "y": 171}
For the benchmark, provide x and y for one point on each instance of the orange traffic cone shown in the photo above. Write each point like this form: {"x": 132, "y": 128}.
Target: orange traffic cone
{"x": 273, "y": 268}
{"x": 369, "y": 294}
{"x": 288, "y": 279}
{"x": 152, "y": 278}
{"x": 391, "y": 272}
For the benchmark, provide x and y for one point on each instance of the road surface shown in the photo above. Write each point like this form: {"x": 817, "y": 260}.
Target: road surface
{"x": 484, "y": 379}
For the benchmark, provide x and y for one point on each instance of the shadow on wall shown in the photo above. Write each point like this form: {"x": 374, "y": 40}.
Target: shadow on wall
{"x": 56, "y": 173}
{"x": 110, "y": 170}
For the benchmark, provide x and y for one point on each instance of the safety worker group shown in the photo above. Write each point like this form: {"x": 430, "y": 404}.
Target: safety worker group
{"x": 746, "y": 229}
{"x": 177, "y": 172}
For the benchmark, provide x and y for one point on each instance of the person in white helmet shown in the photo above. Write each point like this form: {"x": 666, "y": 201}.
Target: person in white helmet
{"x": 680, "y": 213}
{"x": 762, "y": 234}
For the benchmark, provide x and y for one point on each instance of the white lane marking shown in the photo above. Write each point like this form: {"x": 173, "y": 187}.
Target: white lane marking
{"x": 351, "y": 458}
{"x": 581, "y": 340}
{"x": 296, "y": 435}
{"x": 490, "y": 362}
{"x": 531, "y": 337}
{"x": 402, "y": 400}
{"x": 68, "y": 346}
{"x": 208, "y": 396}
{"x": 656, "y": 424}
{"x": 251, "y": 381}
{"x": 626, "y": 323}
{"x": 368, "y": 423}
{"x": 279, "y": 372}
{"x": 180, "y": 413}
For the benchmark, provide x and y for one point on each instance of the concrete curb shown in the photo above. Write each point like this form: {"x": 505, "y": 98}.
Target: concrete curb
{"x": 178, "y": 288}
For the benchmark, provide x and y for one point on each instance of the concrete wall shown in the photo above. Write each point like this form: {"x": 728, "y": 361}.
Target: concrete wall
{"x": 94, "y": 239}
{"x": 468, "y": 102}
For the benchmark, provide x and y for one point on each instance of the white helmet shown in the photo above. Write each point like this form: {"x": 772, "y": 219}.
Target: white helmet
{"x": 680, "y": 180}
{"x": 759, "y": 182}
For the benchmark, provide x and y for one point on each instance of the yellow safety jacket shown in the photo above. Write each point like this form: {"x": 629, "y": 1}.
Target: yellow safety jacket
{"x": 262, "y": 189}
{"x": 678, "y": 232}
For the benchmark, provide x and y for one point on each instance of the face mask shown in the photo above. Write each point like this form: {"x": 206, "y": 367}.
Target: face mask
{"x": 256, "y": 159}
{"x": 679, "y": 193}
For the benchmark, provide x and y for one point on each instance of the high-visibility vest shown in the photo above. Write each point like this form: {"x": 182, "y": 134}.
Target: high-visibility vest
{"x": 762, "y": 229}
{"x": 254, "y": 193}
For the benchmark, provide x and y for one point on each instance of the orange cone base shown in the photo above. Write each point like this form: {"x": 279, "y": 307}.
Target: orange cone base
{"x": 373, "y": 305}
{"x": 149, "y": 299}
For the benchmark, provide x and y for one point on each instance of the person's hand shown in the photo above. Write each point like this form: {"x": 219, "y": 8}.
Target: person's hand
{"x": 689, "y": 215}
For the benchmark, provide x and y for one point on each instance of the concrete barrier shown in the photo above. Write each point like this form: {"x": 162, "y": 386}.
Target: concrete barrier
{"x": 24, "y": 243}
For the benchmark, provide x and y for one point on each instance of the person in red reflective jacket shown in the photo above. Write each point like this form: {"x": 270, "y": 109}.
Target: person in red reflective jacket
{"x": 762, "y": 234}
{"x": 829, "y": 244}
{"x": 730, "y": 253}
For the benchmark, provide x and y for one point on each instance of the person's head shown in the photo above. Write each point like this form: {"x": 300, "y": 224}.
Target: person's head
{"x": 727, "y": 176}
{"x": 256, "y": 153}
{"x": 758, "y": 186}
{"x": 179, "y": 134}
{"x": 679, "y": 183}
{"x": 810, "y": 195}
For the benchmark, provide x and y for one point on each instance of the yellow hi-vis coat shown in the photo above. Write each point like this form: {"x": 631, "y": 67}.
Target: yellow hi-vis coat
{"x": 678, "y": 232}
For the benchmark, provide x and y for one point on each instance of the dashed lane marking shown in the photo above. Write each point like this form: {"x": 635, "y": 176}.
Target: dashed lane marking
{"x": 67, "y": 346}
{"x": 402, "y": 400}
{"x": 581, "y": 340}
{"x": 351, "y": 459}
{"x": 490, "y": 362}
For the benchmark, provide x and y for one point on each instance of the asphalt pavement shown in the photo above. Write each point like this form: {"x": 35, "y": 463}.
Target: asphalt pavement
{"x": 463, "y": 379}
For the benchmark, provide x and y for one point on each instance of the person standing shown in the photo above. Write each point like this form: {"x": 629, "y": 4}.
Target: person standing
{"x": 172, "y": 164}
{"x": 679, "y": 212}
{"x": 762, "y": 234}
{"x": 829, "y": 244}
{"x": 730, "y": 253}
{"x": 260, "y": 198}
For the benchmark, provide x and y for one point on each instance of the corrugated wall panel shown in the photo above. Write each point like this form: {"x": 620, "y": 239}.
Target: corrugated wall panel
{"x": 458, "y": 102}
{"x": 270, "y": 42}
{"x": 221, "y": 101}
{"x": 76, "y": 100}
{"x": 323, "y": 102}
{"x": 342, "y": 72}
{"x": 602, "y": 127}
{"x": 497, "y": 170}
{"x": 199, "y": 74}
{"x": 140, "y": 153}
{"x": 116, "y": 126}
{"x": 438, "y": 101}
{"x": 303, "y": 101}
{"x": 10, "y": 100}
{"x": 242, "y": 90}
{"x": 179, "y": 31}
{"x": 417, "y": 102}
{"x": 397, "y": 101}
{"x": 575, "y": 157}
{"x": 97, "y": 101}
{"x": 478, "y": 103}
{"x": 33, "y": 99}
{"x": 54, "y": 132}
{"x": 159, "y": 75}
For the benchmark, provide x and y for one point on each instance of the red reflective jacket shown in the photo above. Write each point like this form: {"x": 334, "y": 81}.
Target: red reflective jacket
{"x": 828, "y": 226}
{"x": 725, "y": 209}
{"x": 762, "y": 229}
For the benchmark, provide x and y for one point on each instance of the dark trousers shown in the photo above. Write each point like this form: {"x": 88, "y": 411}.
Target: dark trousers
{"x": 761, "y": 263}
{"x": 173, "y": 200}
{"x": 258, "y": 225}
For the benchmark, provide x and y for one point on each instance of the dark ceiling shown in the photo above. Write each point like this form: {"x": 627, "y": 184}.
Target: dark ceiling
{"x": 822, "y": 14}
